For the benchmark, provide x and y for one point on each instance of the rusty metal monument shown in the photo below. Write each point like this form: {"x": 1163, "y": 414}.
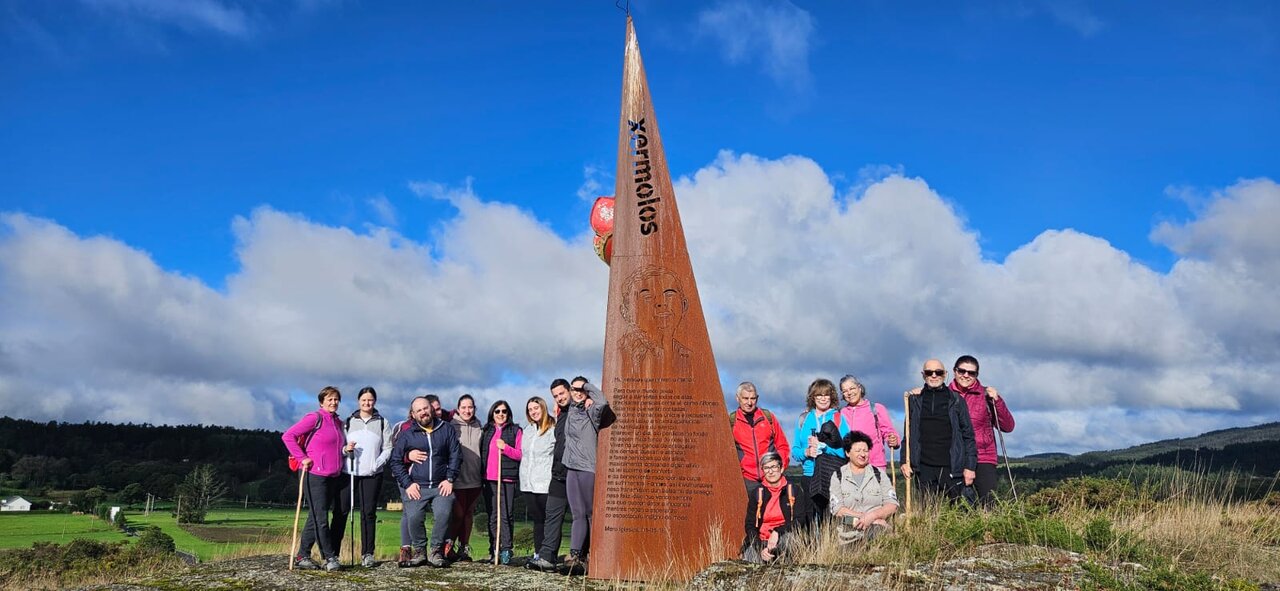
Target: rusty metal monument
{"x": 669, "y": 498}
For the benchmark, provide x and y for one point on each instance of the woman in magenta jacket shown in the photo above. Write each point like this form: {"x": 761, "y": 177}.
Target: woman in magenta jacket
{"x": 317, "y": 442}
{"x": 987, "y": 411}
{"x": 860, "y": 415}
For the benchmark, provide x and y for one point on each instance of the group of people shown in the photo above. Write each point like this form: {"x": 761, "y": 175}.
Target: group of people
{"x": 846, "y": 472}
{"x": 447, "y": 461}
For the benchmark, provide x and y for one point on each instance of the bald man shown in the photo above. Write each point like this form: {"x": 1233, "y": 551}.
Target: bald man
{"x": 944, "y": 455}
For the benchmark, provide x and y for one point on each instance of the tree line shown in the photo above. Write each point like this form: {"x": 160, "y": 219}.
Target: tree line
{"x": 126, "y": 462}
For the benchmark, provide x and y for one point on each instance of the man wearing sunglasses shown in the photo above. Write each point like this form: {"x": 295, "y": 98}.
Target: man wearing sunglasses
{"x": 588, "y": 407}
{"x": 943, "y": 456}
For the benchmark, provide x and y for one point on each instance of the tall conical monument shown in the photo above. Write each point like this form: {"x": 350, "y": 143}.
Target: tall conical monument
{"x": 669, "y": 497}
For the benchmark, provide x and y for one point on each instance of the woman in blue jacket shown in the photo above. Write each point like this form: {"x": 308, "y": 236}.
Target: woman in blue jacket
{"x": 814, "y": 457}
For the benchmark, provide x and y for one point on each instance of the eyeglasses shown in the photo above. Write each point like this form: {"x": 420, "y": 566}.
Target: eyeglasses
{"x": 960, "y": 371}
{"x": 500, "y": 411}
{"x": 771, "y": 467}
{"x": 578, "y": 389}
{"x": 935, "y": 373}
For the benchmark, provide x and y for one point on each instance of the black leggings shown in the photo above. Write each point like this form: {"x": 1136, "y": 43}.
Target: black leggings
{"x": 985, "y": 482}
{"x": 367, "y": 499}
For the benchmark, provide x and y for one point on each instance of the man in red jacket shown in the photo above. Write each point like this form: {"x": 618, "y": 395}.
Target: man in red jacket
{"x": 755, "y": 432}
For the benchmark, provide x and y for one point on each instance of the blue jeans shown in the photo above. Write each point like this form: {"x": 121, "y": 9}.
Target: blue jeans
{"x": 415, "y": 512}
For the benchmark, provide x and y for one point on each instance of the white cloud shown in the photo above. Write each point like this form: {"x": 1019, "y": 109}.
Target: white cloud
{"x": 1075, "y": 15}
{"x": 799, "y": 280}
{"x": 224, "y": 18}
{"x": 775, "y": 33}
{"x": 384, "y": 210}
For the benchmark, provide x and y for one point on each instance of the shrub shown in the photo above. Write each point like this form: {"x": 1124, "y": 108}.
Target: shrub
{"x": 155, "y": 541}
{"x": 1085, "y": 491}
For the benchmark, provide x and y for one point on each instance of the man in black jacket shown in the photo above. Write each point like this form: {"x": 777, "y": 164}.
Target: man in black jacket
{"x": 944, "y": 455}
{"x": 428, "y": 482}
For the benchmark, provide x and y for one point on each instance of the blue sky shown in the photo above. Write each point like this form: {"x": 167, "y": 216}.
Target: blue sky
{"x": 183, "y": 133}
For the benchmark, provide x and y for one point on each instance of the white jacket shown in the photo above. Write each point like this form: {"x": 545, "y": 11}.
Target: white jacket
{"x": 537, "y": 453}
{"x": 373, "y": 443}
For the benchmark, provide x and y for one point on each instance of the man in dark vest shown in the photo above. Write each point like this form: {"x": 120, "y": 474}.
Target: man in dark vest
{"x": 943, "y": 456}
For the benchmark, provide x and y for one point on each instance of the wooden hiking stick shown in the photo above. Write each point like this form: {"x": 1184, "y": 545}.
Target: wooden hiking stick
{"x": 906, "y": 430}
{"x": 293, "y": 546}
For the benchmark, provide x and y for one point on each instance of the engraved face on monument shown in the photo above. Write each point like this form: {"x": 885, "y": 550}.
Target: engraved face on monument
{"x": 654, "y": 305}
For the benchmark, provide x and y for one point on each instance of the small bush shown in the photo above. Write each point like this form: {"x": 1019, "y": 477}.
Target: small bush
{"x": 1086, "y": 491}
{"x": 155, "y": 541}
{"x": 1098, "y": 535}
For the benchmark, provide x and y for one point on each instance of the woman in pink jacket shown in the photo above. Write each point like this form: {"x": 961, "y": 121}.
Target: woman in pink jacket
{"x": 987, "y": 411}
{"x": 860, "y": 415}
{"x": 317, "y": 442}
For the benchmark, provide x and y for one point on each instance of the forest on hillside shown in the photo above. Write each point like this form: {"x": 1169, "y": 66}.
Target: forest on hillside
{"x": 131, "y": 461}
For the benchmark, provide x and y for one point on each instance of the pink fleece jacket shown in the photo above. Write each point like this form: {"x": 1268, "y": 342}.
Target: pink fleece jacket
{"x": 859, "y": 418}
{"x": 324, "y": 447}
{"x": 512, "y": 451}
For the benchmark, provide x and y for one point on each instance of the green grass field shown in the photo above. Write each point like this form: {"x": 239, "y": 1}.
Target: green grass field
{"x": 20, "y": 529}
{"x": 226, "y": 533}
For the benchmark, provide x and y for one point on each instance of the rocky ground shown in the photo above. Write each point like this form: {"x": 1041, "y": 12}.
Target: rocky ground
{"x": 992, "y": 567}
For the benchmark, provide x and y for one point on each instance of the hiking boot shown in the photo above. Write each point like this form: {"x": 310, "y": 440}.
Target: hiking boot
{"x": 449, "y": 552}
{"x": 332, "y": 564}
{"x": 368, "y": 561}
{"x": 406, "y": 553}
{"x": 463, "y": 554}
{"x": 488, "y": 558}
{"x": 305, "y": 563}
{"x": 419, "y": 557}
{"x": 504, "y": 557}
{"x": 541, "y": 564}
{"x": 436, "y": 559}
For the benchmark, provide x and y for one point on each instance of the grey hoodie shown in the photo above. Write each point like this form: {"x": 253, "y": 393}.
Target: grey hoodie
{"x": 582, "y": 430}
{"x": 471, "y": 472}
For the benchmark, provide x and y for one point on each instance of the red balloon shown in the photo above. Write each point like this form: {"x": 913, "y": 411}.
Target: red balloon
{"x": 602, "y": 216}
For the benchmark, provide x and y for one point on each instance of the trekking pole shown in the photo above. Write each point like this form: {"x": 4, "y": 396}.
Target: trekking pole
{"x": 995, "y": 418}
{"x": 906, "y": 430}
{"x": 351, "y": 509}
{"x": 497, "y": 501}
{"x": 297, "y": 513}
{"x": 893, "y": 472}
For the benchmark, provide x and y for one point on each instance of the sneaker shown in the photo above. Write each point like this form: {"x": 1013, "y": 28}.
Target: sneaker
{"x": 419, "y": 557}
{"x": 406, "y": 553}
{"x": 368, "y": 561}
{"x": 436, "y": 559}
{"x": 504, "y": 557}
{"x": 542, "y": 564}
{"x": 305, "y": 563}
{"x": 332, "y": 564}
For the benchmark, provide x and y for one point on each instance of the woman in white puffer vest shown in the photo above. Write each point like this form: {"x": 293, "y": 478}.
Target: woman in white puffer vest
{"x": 538, "y": 443}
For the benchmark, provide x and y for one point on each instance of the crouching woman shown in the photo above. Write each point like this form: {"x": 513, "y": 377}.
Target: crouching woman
{"x": 862, "y": 496}
{"x": 776, "y": 511}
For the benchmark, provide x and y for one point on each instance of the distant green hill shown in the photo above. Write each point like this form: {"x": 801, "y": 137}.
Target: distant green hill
{"x": 1213, "y": 440}
{"x": 1253, "y": 453}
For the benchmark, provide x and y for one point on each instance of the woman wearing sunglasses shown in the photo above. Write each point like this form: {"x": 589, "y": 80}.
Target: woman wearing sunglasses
{"x": 987, "y": 412}
{"x": 500, "y": 447}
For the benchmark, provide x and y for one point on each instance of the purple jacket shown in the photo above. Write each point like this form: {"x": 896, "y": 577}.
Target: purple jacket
{"x": 980, "y": 416}
{"x": 324, "y": 448}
